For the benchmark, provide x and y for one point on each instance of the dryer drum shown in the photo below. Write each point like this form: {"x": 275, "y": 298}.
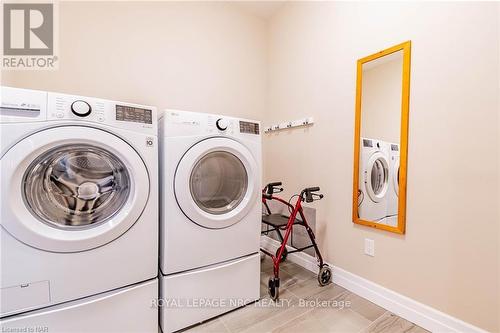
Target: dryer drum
{"x": 218, "y": 182}
{"x": 76, "y": 186}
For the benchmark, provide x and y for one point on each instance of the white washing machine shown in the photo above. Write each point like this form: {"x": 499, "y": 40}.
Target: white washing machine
{"x": 374, "y": 180}
{"x": 393, "y": 193}
{"x": 78, "y": 201}
{"x": 210, "y": 169}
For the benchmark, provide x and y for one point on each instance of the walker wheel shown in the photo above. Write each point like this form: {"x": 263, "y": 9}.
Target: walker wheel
{"x": 283, "y": 255}
{"x": 273, "y": 289}
{"x": 324, "y": 275}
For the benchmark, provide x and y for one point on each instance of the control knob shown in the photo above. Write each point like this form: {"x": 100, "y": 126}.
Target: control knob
{"x": 81, "y": 108}
{"x": 221, "y": 124}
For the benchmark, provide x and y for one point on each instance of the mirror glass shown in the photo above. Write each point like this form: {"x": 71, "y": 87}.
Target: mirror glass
{"x": 379, "y": 114}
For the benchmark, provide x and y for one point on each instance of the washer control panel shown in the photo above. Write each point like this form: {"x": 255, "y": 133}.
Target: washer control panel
{"x": 74, "y": 107}
{"x": 134, "y": 114}
{"x": 117, "y": 114}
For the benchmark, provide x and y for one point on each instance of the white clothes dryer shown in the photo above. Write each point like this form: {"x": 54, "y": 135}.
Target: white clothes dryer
{"x": 210, "y": 170}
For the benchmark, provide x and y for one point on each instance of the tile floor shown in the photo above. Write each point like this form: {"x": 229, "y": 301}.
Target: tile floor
{"x": 306, "y": 307}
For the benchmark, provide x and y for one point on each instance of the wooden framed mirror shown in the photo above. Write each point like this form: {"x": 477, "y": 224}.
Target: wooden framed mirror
{"x": 381, "y": 139}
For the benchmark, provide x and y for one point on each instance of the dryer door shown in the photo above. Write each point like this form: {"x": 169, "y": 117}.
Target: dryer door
{"x": 395, "y": 175}
{"x": 216, "y": 182}
{"x": 377, "y": 176}
{"x": 69, "y": 189}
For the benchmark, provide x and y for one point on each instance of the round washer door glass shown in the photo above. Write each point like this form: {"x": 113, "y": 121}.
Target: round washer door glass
{"x": 377, "y": 181}
{"x": 76, "y": 186}
{"x": 378, "y": 177}
{"x": 71, "y": 188}
{"x": 218, "y": 182}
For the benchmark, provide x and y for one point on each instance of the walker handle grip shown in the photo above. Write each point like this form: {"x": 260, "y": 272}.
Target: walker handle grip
{"x": 312, "y": 189}
{"x": 307, "y": 194}
{"x": 270, "y": 188}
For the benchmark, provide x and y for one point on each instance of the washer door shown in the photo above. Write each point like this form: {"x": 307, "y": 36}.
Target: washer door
{"x": 215, "y": 182}
{"x": 70, "y": 189}
{"x": 377, "y": 176}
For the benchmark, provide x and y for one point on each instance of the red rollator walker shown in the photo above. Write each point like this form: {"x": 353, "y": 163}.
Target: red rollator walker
{"x": 279, "y": 223}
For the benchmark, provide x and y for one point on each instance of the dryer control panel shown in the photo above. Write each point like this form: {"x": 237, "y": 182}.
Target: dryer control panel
{"x": 249, "y": 127}
{"x": 184, "y": 123}
{"x": 219, "y": 124}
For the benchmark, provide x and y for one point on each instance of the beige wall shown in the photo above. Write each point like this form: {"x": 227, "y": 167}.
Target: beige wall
{"x": 498, "y": 155}
{"x": 381, "y": 98}
{"x": 449, "y": 257}
{"x": 205, "y": 57}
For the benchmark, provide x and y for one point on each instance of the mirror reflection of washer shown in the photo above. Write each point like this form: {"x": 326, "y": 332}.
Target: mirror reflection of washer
{"x": 374, "y": 180}
{"x": 210, "y": 213}
{"x": 78, "y": 203}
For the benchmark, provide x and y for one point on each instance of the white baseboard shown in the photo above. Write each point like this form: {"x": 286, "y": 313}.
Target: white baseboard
{"x": 405, "y": 307}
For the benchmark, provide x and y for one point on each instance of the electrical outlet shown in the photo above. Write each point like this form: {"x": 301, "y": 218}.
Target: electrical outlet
{"x": 369, "y": 247}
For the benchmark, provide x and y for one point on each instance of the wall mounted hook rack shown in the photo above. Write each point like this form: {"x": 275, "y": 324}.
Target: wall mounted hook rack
{"x": 308, "y": 121}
